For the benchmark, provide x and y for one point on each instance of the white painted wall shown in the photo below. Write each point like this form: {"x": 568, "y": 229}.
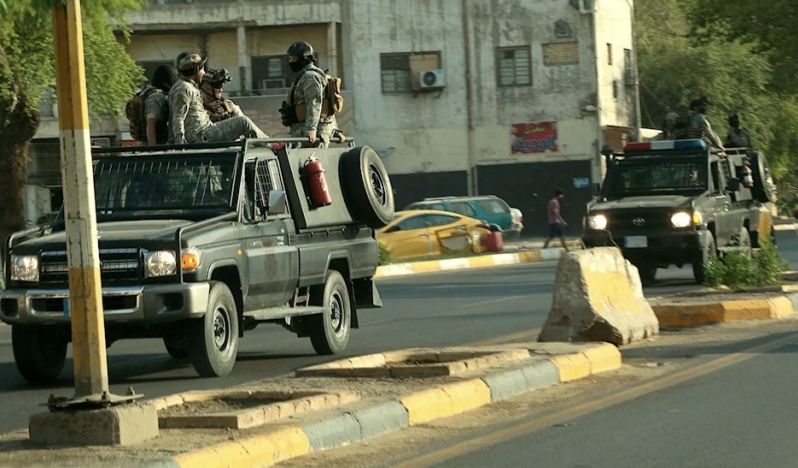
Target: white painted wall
{"x": 614, "y": 26}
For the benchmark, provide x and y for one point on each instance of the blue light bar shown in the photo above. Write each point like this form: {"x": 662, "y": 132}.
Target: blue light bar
{"x": 689, "y": 144}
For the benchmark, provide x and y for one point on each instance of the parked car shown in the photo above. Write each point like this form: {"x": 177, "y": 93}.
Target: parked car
{"x": 423, "y": 233}
{"x": 487, "y": 208}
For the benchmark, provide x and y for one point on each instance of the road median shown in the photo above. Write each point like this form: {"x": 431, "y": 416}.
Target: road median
{"x": 711, "y": 307}
{"x": 379, "y": 406}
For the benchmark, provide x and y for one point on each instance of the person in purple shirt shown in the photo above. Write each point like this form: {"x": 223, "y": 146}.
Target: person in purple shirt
{"x": 556, "y": 223}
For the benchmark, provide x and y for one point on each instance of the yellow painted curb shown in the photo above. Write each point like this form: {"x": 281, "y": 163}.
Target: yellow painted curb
{"x": 529, "y": 256}
{"x": 572, "y": 366}
{"x": 603, "y": 358}
{"x": 261, "y": 451}
{"x": 445, "y": 401}
{"x": 481, "y": 261}
{"x": 705, "y": 313}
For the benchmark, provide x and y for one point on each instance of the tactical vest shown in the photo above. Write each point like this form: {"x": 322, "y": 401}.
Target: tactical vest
{"x": 694, "y": 132}
{"x": 219, "y": 110}
{"x": 301, "y": 110}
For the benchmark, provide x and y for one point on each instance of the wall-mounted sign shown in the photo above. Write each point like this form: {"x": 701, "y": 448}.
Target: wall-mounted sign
{"x": 534, "y": 137}
{"x": 581, "y": 182}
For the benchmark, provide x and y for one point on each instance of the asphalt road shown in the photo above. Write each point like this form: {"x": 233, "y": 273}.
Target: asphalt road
{"x": 457, "y": 308}
{"x": 742, "y": 416}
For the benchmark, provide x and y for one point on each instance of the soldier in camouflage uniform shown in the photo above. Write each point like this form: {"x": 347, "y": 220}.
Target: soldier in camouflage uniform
{"x": 190, "y": 121}
{"x": 212, "y": 88}
{"x": 669, "y": 129}
{"x": 738, "y": 137}
{"x": 305, "y": 98}
{"x": 699, "y": 126}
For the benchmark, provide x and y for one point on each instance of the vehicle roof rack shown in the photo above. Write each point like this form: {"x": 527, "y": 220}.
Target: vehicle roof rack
{"x": 240, "y": 144}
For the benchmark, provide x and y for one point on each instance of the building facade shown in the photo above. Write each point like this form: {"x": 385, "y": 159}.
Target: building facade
{"x": 506, "y": 97}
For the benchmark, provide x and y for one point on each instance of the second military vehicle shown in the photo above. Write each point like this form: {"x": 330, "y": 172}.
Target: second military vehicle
{"x": 678, "y": 202}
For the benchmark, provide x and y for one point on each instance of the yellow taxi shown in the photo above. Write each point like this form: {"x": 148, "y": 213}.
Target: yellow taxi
{"x": 425, "y": 233}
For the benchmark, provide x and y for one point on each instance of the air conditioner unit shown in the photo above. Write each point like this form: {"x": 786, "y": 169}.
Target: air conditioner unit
{"x": 431, "y": 79}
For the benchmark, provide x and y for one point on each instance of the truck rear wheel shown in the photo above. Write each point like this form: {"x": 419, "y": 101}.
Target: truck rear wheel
{"x": 367, "y": 187}
{"x": 213, "y": 339}
{"x": 329, "y": 331}
{"x": 39, "y": 352}
{"x": 705, "y": 258}
{"x": 760, "y": 172}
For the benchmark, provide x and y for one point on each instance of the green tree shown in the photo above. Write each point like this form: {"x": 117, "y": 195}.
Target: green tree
{"x": 770, "y": 27}
{"x": 27, "y": 71}
{"x": 674, "y": 68}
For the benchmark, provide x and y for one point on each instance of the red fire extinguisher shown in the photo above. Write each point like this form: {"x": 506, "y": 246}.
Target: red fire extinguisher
{"x": 748, "y": 177}
{"x": 317, "y": 182}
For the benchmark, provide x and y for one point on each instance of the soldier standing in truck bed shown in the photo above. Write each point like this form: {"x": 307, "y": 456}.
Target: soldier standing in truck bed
{"x": 699, "y": 126}
{"x": 738, "y": 137}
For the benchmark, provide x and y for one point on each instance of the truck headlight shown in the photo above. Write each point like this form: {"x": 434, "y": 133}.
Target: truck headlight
{"x": 24, "y": 268}
{"x": 160, "y": 263}
{"x": 681, "y": 220}
{"x": 597, "y": 222}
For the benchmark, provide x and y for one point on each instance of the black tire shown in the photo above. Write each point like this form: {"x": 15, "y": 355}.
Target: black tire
{"x": 648, "y": 274}
{"x": 176, "y": 350}
{"x": 704, "y": 259}
{"x": 329, "y": 332}
{"x": 39, "y": 352}
{"x": 744, "y": 241}
{"x": 367, "y": 187}
{"x": 213, "y": 339}
{"x": 763, "y": 190}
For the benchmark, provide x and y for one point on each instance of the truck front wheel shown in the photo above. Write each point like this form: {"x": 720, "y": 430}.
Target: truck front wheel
{"x": 329, "y": 331}
{"x": 213, "y": 339}
{"x": 704, "y": 259}
{"x": 39, "y": 352}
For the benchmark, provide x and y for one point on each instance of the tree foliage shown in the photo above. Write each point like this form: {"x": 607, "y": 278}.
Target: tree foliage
{"x": 770, "y": 27}
{"x": 733, "y": 74}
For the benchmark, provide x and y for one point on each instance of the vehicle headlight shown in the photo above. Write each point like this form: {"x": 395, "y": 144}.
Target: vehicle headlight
{"x": 161, "y": 263}
{"x": 190, "y": 260}
{"x": 24, "y": 268}
{"x": 681, "y": 219}
{"x": 597, "y": 222}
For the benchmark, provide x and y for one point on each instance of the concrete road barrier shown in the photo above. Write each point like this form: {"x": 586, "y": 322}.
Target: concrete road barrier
{"x": 598, "y": 296}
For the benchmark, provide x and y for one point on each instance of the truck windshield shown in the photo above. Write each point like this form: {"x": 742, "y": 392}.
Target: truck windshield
{"x": 124, "y": 185}
{"x": 658, "y": 175}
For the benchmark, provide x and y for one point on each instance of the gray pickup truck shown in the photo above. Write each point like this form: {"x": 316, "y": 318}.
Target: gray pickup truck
{"x": 681, "y": 203}
{"x": 199, "y": 245}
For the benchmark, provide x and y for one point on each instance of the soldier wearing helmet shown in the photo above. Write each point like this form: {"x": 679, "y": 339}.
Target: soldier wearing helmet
{"x": 303, "y": 111}
{"x": 699, "y": 126}
{"x": 669, "y": 129}
{"x": 219, "y": 108}
{"x": 738, "y": 137}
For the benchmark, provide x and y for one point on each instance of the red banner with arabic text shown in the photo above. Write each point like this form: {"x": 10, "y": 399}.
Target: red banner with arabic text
{"x": 535, "y": 137}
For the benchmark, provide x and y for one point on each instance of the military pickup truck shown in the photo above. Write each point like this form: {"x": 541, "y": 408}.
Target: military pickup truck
{"x": 678, "y": 202}
{"x": 199, "y": 245}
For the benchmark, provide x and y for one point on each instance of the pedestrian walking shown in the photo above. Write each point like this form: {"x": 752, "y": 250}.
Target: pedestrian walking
{"x": 556, "y": 223}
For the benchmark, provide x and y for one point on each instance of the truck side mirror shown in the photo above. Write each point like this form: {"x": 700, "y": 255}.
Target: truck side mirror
{"x": 733, "y": 184}
{"x": 277, "y": 203}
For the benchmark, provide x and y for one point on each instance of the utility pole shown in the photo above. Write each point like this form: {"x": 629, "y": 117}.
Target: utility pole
{"x": 85, "y": 289}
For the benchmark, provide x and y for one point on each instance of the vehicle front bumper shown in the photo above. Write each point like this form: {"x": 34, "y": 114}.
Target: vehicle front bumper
{"x": 663, "y": 248}
{"x": 140, "y": 304}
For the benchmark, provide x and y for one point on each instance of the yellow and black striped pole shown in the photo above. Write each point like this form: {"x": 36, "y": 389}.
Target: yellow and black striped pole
{"x": 85, "y": 289}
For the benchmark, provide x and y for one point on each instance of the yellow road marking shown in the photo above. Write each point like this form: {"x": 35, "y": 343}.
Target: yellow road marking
{"x": 480, "y": 442}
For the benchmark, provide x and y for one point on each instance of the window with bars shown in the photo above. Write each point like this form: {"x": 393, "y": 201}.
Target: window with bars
{"x": 271, "y": 72}
{"x": 398, "y": 70}
{"x": 628, "y": 68}
{"x": 514, "y": 66}
{"x": 261, "y": 178}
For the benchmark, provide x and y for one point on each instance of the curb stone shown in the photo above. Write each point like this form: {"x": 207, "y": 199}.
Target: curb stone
{"x": 672, "y": 313}
{"x": 374, "y": 419}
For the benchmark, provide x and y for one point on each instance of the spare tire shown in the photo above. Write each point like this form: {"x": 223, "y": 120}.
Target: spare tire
{"x": 367, "y": 187}
{"x": 763, "y": 190}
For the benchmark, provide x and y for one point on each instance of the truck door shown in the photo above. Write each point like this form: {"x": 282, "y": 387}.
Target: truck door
{"x": 721, "y": 205}
{"x": 273, "y": 264}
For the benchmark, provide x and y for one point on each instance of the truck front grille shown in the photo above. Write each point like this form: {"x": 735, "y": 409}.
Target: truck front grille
{"x": 639, "y": 220}
{"x": 116, "y": 266}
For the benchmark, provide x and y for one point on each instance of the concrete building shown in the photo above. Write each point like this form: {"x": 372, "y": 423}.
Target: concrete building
{"x": 504, "y": 97}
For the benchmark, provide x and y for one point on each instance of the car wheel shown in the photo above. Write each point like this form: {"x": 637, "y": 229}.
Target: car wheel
{"x": 648, "y": 274}
{"x": 213, "y": 339}
{"x": 329, "y": 331}
{"x": 744, "y": 242}
{"x": 367, "y": 187}
{"x": 175, "y": 349}
{"x": 39, "y": 352}
{"x": 705, "y": 259}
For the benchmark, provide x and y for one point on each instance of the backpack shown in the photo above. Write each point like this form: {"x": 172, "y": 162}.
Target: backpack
{"x": 333, "y": 102}
{"x": 136, "y": 111}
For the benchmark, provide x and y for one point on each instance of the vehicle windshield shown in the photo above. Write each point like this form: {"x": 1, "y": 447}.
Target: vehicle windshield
{"x": 653, "y": 175}
{"x": 164, "y": 184}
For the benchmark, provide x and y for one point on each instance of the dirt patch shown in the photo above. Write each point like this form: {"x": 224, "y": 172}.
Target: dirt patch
{"x": 219, "y": 405}
{"x": 415, "y": 362}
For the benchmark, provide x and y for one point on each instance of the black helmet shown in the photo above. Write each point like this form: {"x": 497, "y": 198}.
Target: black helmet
{"x": 300, "y": 49}
{"x": 734, "y": 120}
{"x": 217, "y": 77}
